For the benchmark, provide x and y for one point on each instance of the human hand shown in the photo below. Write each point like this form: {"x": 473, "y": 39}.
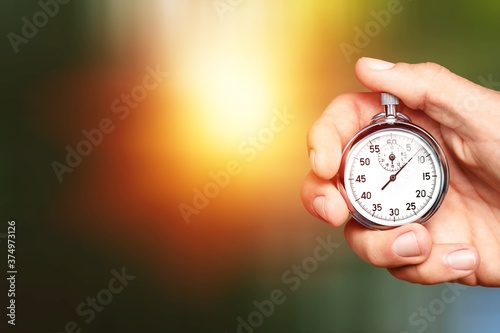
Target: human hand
{"x": 461, "y": 242}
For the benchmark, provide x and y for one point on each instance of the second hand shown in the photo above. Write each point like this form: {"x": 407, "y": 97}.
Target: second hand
{"x": 393, "y": 177}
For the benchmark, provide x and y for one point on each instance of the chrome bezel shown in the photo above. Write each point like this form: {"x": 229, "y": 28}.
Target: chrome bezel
{"x": 401, "y": 122}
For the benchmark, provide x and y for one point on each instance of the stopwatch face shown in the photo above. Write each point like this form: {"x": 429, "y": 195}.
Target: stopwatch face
{"x": 392, "y": 175}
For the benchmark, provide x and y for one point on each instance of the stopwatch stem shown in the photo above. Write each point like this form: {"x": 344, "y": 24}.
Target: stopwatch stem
{"x": 389, "y": 101}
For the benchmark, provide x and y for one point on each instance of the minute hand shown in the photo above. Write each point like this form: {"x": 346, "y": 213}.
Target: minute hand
{"x": 393, "y": 177}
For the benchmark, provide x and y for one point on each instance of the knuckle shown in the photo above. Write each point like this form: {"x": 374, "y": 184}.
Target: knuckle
{"x": 432, "y": 70}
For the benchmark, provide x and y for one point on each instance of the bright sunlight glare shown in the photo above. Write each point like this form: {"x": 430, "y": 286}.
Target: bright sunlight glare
{"x": 230, "y": 96}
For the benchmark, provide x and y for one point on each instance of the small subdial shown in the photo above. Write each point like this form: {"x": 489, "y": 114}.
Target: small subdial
{"x": 392, "y": 157}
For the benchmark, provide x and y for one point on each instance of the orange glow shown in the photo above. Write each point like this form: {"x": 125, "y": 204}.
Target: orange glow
{"x": 227, "y": 79}
{"x": 229, "y": 96}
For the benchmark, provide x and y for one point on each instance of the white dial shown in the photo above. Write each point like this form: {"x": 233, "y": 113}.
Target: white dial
{"x": 393, "y": 176}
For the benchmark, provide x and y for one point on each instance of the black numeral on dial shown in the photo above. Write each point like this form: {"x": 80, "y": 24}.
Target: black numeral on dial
{"x": 421, "y": 193}
{"x": 361, "y": 178}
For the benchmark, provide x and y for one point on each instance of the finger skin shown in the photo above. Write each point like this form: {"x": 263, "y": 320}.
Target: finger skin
{"x": 444, "y": 96}
{"x": 467, "y": 114}
{"x": 436, "y": 268}
{"x": 343, "y": 118}
{"x": 335, "y": 208}
{"x": 431, "y": 266}
{"x": 376, "y": 247}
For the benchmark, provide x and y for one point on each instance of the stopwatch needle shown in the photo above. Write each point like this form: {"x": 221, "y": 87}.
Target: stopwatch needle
{"x": 393, "y": 177}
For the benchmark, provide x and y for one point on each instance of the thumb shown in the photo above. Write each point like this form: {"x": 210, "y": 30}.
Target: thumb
{"x": 445, "y": 97}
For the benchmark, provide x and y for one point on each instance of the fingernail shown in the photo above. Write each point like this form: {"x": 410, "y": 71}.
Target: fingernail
{"x": 319, "y": 206}
{"x": 312, "y": 158}
{"x": 378, "y": 64}
{"x": 406, "y": 245}
{"x": 462, "y": 260}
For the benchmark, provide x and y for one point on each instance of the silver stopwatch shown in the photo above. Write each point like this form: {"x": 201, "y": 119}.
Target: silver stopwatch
{"x": 393, "y": 172}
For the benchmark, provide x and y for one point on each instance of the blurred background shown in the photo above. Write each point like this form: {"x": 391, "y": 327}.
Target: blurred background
{"x": 153, "y": 153}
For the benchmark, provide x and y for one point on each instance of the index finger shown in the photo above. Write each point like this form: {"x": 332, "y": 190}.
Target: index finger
{"x": 444, "y": 96}
{"x": 343, "y": 118}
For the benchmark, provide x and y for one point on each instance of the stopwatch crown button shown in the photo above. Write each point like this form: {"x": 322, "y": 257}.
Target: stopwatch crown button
{"x": 388, "y": 99}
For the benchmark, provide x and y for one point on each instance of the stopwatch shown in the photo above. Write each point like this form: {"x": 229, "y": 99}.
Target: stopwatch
{"x": 392, "y": 172}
